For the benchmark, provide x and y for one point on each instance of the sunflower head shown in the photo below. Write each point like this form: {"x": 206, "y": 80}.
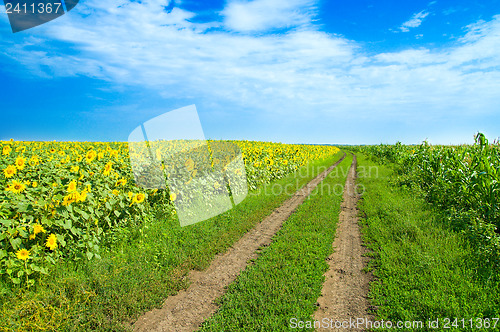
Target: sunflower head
{"x": 23, "y": 254}
{"x": 6, "y": 150}
{"x": 16, "y": 187}
{"x": 108, "y": 168}
{"x": 90, "y": 156}
{"x": 34, "y": 161}
{"x": 122, "y": 182}
{"x": 51, "y": 242}
{"x": 20, "y": 162}
{"x": 72, "y": 186}
{"x": 139, "y": 198}
{"x": 37, "y": 228}
{"x": 189, "y": 164}
{"x": 10, "y": 171}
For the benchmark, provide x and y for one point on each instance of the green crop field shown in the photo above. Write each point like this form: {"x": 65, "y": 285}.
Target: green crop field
{"x": 83, "y": 248}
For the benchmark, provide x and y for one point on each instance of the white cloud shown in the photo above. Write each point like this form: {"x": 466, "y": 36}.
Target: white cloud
{"x": 262, "y": 15}
{"x": 301, "y": 73}
{"x": 414, "y": 22}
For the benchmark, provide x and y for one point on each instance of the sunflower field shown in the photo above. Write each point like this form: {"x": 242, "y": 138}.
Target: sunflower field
{"x": 67, "y": 200}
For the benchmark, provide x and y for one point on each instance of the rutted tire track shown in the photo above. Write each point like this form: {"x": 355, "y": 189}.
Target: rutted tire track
{"x": 344, "y": 294}
{"x": 191, "y": 307}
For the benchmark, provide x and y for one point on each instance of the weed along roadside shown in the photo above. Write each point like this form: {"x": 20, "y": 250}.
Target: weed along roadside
{"x": 429, "y": 276}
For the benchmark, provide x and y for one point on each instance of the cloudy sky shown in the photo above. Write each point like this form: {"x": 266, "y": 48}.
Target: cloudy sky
{"x": 301, "y": 71}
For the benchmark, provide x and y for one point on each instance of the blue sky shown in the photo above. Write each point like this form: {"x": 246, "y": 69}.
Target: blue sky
{"x": 295, "y": 71}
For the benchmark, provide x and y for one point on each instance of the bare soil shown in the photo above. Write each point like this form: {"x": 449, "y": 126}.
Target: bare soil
{"x": 344, "y": 294}
{"x": 189, "y": 308}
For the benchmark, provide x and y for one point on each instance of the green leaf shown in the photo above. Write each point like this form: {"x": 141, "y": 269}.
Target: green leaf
{"x": 117, "y": 213}
{"x": 22, "y": 207}
{"x": 16, "y": 243}
{"x": 68, "y": 224}
{"x": 60, "y": 239}
{"x": 6, "y": 222}
{"x": 89, "y": 255}
{"x": 3, "y": 253}
{"x": 74, "y": 230}
{"x": 22, "y": 232}
{"x": 85, "y": 215}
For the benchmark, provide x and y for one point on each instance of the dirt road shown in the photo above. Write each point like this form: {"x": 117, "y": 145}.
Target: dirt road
{"x": 189, "y": 308}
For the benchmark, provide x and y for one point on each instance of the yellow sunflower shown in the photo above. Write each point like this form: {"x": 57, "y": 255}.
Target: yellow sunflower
{"x": 10, "y": 171}
{"x": 82, "y": 196}
{"x": 90, "y": 156}
{"x": 37, "y": 228}
{"x": 139, "y": 198}
{"x": 173, "y": 197}
{"x": 20, "y": 163}
{"x": 6, "y": 150}
{"x": 108, "y": 168}
{"x": 34, "y": 161}
{"x": 51, "y": 242}
{"x": 71, "y": 198}
{"x": 72, "y": 186}
{"x": 16, "y": 187}
{"x": 189, "y": 164}
{"x": 23, "y": 254}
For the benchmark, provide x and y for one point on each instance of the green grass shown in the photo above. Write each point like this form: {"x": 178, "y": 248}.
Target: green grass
{"x": 286, "y": 279}
{"x": 424, "y": 270}
{"x": 141, "y": 271}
